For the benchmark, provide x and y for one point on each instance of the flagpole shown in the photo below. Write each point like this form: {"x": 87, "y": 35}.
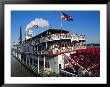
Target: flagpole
{"x": 61, "y": 24}
{"x": 61, "y": 20}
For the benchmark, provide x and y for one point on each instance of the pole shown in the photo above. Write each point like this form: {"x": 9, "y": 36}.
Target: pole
{"x": 44, "y": 62}
{"x": 61, "y": 24}
{"x": 61, "y": 20}
{"x": 38, "y": 64}
{"x": 20, "y": 35}
{"x": 26, "y": 60}
{"x": 29, "y": 63}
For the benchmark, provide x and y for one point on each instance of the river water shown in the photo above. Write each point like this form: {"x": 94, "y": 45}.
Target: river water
{"x": 19, "y": 70}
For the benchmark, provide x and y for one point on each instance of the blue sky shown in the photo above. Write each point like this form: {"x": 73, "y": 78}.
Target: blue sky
{"x": 84, "y": 22}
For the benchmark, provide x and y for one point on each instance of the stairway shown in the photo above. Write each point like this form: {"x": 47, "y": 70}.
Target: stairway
{"x": 72, "y": 63}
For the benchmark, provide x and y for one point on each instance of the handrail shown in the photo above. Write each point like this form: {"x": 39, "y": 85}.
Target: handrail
{"x": 61, "y": 49}
{"x": 60, "y": 36}
{"x": 76, "y": 63}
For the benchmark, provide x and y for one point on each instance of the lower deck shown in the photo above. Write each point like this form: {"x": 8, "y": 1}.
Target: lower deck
{"x": 82, "y": 63}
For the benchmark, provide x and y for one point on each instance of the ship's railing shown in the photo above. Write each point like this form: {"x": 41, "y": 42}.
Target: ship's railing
{"x": 66, "y": 49}
{"x": 55, "y": 37}
{"x": 60, "y": 36}
{"x": 61, "y": 49}
{"x": 82, "y": 37}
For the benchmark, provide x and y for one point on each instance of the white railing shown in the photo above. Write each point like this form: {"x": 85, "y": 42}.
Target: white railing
{"x": 59, "y": 50}
{"x": 60, "y": 36}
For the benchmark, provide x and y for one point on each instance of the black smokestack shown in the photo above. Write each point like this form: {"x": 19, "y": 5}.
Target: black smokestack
{"x": 20, "y": 35}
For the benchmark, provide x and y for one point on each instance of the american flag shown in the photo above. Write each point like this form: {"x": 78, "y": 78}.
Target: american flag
{"x": 66, "y": 17}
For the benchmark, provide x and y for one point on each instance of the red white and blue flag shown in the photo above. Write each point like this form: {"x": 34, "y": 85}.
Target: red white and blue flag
{"x": 66, "y": 17}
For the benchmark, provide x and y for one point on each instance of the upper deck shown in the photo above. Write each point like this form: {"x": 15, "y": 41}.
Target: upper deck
{"x": 53, "y": 41}
{"x": 55, "y": 34}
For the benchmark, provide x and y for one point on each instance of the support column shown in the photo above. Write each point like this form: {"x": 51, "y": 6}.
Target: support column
{"x": 29, "y": 62}
{"x": 32, "y": 61}
{"x": 44, "y": 62}
{"x": 37, "y": 47}
{"x": 46, "y": 45}
{"x": 26, "y": 60}
{"x": 38, "y": 64}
